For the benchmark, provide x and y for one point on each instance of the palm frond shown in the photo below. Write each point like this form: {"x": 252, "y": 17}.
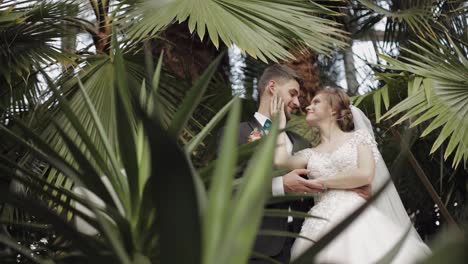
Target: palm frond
{"x": 403, "y": 17}
{"x": 30, "y": 32}
{"x": 247, "y": 24}
{"x": 31, "y": 41}
{"x": 437, "y": 80}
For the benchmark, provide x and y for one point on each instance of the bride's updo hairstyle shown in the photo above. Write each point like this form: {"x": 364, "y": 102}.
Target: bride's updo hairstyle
{"x": 340, "y": 103}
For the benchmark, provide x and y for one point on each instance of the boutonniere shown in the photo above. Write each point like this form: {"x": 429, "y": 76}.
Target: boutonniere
{"x": 254, "y": 135}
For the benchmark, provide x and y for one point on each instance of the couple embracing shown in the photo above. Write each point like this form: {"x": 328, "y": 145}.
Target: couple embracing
{"x": 342, "y": 170}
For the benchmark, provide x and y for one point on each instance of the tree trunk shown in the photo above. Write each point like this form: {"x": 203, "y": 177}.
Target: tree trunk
{"x": 102, "y": 35}
{"x": 425, "y": 181}
{"x": 350, "y": 70}
{"x": 68, "y": 43}
{"x": 348, "y": 58}
{"x": 185, "y": 54}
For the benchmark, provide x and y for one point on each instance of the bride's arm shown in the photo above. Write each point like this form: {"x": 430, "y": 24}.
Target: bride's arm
{"x": 353, "y": 178}
{"x": 282, "y": 158}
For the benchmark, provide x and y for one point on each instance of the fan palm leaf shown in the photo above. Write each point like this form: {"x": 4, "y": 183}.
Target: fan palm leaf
{"x": 442, "y": 96}
{"x": 135, "y": 234}
{"x": 263, "y": 29}
{"x": 29, "y": 35}
{"x": 437, "y": 90}
{"x": 403, "y": 16}
{"x": 29, "y": 39}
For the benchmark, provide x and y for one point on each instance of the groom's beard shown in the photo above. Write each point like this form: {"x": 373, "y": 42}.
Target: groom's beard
{"x": 287, "y": 113}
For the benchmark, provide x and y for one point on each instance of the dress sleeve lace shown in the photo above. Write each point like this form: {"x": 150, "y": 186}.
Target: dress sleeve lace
{"x": 304, "y": 153}
{"x": 362, "y": 137}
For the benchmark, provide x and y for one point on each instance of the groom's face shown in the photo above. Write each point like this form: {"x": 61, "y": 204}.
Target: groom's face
{"x": 288, "y": 90}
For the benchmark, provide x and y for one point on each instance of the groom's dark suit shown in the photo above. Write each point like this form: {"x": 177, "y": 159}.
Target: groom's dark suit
{"x": 277, "y": 247}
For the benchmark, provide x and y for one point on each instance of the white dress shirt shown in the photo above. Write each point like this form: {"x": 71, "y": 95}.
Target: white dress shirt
{"x": 277, "y": 187}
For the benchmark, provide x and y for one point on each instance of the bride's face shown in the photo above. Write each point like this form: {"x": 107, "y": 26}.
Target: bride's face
{"x": 319, "y": 110}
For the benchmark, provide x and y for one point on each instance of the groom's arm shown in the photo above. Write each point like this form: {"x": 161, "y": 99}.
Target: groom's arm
{"x": 291, "y": 182}
{"x": 294, "y": 182}
{"x": 277, "y": 187}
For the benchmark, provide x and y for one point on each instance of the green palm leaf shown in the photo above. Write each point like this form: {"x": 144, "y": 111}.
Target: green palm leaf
{"x": 263, "y": 29}
{"x": 192, "y": 99}
{"x": 28, "y": 39}
{"x": 248, "y": 202}
{"x": 442, "y": 95}
{"x": 436, "y": 73}
{"x": 217, "y": 213}
{"x": 404, "y": 19}
{"x": 183, "y": 211}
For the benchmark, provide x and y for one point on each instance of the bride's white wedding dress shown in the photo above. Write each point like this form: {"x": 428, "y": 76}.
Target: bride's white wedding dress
{"x": 372, "y": 234}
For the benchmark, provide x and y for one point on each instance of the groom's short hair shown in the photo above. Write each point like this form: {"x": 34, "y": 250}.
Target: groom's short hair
{"x": 279, "y": 73}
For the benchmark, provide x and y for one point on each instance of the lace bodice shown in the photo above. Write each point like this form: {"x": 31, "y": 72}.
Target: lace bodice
{"x": 322, "y": 164}
{"x": 343, "y": 157}
{"x": 371, "y": 235}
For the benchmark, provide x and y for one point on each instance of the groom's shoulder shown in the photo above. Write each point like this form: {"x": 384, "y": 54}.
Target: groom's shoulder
{"x": 245, "y": 128}
{"x": 298, "y": 140}
{"x": 244, "y": 124}
{"x": 295, "y": 135}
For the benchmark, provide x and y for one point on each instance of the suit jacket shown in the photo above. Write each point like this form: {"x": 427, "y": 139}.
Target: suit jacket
{"x": 272, "y": 245}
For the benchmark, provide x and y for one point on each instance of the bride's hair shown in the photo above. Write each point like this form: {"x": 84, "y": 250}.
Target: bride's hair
{"x": 340, "y": 103}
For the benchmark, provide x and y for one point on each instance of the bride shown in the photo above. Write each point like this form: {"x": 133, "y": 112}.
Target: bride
{"x": 347, "y": 157}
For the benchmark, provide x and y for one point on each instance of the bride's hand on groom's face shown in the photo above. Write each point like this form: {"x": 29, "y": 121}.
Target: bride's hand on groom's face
{"x": 277, "y": 110}
{"x": 293, "y": 182}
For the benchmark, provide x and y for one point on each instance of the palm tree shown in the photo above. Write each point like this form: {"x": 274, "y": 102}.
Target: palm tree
{"x": 115, "y": 110}
{"x": 424, "y": 75}
{"x": 427, "y": 27}
{"x": 87, "y": 138}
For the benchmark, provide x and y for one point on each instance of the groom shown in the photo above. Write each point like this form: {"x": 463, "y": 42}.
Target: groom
{"x": 284, "y": 82}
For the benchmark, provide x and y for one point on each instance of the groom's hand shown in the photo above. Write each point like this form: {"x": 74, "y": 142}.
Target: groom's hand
{"x": 294, "y": 183}
{"x": 364, "y": 191}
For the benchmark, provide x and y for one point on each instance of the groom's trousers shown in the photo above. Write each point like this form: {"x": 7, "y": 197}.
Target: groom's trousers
{"x": 283, "y": 256}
